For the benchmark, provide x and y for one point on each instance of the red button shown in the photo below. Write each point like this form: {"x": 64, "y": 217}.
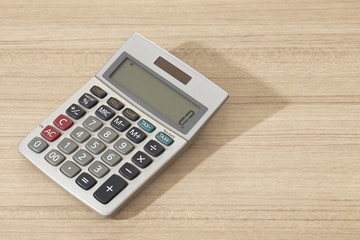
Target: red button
{"x": 50, "y": 133}
{"x": 63, "y": 122}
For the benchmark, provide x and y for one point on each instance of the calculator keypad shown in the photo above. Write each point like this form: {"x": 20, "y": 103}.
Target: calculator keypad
{"x": 98, "y": 146}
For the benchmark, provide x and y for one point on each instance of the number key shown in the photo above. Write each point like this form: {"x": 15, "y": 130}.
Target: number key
{"x": 82, "y": 157}
{"x": 95, "y": 146}
{"x": 92, "y": 123}
{"x": 80, "y": 135}
{"x": 98, "y": 169}
{"x": 111, "y": 158}
{"x": 123, "y": 146}
{"x": 54, "y": 157}
{"x": 67, "y": 146}
{"x": 37, "y": 145}
{"x": 108, "y": 135}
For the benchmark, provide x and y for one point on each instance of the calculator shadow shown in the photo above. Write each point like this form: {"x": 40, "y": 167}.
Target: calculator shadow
{"x": 251, "y": 101}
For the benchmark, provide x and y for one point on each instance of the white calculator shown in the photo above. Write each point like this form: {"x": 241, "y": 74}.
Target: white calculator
{"x": 128, "y": 122}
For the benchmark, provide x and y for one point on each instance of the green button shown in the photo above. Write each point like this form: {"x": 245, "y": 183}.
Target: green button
{"x": 146, "y": 125}
{"x": 164, "y": 139}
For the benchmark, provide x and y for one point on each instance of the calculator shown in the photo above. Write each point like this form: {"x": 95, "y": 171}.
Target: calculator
{"x": 125, "y": 125}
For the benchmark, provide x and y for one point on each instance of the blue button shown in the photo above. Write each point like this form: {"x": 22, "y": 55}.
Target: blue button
{"x": 164, "y": 139}
{"x": 146, "y": 125}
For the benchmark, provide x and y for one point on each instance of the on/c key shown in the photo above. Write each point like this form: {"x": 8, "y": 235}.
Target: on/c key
{"x": 63, "y": 122}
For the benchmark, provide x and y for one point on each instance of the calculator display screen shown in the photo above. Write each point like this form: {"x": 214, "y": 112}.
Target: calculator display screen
{"x": 154, "y": 92}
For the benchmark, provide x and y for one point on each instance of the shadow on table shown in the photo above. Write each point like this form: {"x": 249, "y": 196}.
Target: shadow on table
{"x": 247, "y": 96}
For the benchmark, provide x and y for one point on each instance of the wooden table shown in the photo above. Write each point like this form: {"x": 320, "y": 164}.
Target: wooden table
{"x": 280, "y": 160}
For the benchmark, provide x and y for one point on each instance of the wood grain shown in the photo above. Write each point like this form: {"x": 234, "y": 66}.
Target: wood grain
{"x": 280, "y": 160}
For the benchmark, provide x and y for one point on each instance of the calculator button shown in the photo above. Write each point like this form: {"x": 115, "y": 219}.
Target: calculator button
{"x": 108, "y": 135}
{"x": 50, "y": 133}
{"x": 116, "y": 104}
{"x": 164, "y": 139}
{"x": 104, "y": 112}
{"x": 67, "y": 146}
{"x": 80, "y": 135}
{"x": 98, "y": 169}
{"x": 82, "y": 157}
{"x": 95, "y": 146}
{"x": 97, "y": 91}
{"x": 75, "y": 111}
{"x": 88, "y": 100}
{"x": 92, "y": 123}
{"x": 136, "y": 135}
{"x": 129, "y": 171}
{"x": 111, "y": 158}
{"x": 123, "y": 146}
{"x": 63, "y": 122}
{"x": 86, "y": 181}
{"x": 37, "y": 145}
{"x": 120, "y": 123}
{"x": 154, "y": 148}
{"x": 131, "y": 114}
{"x": 110, "y": 189}
{"x": 146, "y": 125}
{"x": 54, "y": 157}
{"x": 70, "y": 169}
{"x": 141, "y": 159}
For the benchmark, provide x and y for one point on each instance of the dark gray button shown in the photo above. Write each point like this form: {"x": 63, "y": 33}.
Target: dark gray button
{"x": 88, "y": 101}
{"x": 69, "y": 169}
{"x": 110, "y": 157}
{"x": 130, "y": 114}
{"x": 123, "y": 146}
{"x": 113, "y": 102}
{"x": 95, "y": 146}
{"x": 86, "y": 181}
{"x": 82, "y": 157}
{"x": 104, "y": 112}
{"x": 141, "y": 159}
{"x": 129, "y": 171}
{"x": 67, "y": 146}
{"x": 136, "y": 135}
{"x": 75, "y": 111}
{"x": 98, "y": 169}
{"x": 120, "y": 123}
{"x": 54, "y": 157}
{"x": 37, "y": 145}
{"x": 92, "y": 123}
{"x": 154, "y": 148}
{"x": 108, "y": 135}
{"x": 80, "y": 135}
{"x": 110, "y": 189}
{"x": 98, "y": 91}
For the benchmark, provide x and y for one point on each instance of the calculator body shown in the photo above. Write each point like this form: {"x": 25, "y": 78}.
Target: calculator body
{"x": 120, "y": 160}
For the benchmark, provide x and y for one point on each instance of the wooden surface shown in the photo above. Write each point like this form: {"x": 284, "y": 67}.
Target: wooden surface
{"x": 280, "y": 160}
